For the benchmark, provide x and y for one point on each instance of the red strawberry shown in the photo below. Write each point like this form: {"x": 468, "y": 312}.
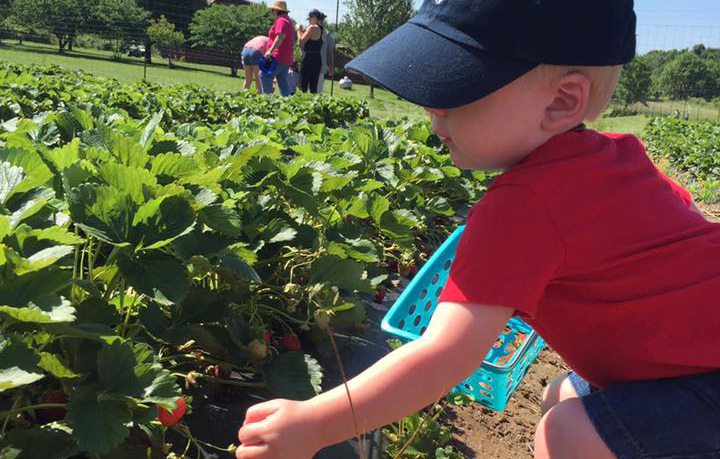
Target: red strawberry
{"x": 380, "y": 294}
{"x": 46, "y": 415}
{"x": 291, "y": 342}
{"x": 169, "y": 419}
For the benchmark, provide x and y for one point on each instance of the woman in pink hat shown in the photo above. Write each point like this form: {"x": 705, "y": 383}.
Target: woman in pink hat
{"x": 282, "y": 36}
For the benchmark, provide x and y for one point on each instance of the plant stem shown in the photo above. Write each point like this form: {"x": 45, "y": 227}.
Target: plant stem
{"x": 359, "y": 436}
{"x": 277, "y": 311}
{"x": 229, "y": 382}
{"x": 184, "y": 430}
{"x": 7, "y": 419}
{"x": 4, "y": 414}
{"x": 82, "y": 260}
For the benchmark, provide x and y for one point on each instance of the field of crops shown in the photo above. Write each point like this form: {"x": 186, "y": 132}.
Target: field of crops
{"x": 691, "y": 152}
{"x": 165, "y": 245}
{"x": 160, "y": 244}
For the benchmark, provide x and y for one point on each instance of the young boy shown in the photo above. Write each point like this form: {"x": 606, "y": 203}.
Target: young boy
{"x": 580, "y": 235}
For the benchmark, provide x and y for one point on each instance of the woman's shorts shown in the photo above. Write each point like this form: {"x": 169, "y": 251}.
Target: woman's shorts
{"x": 250, "y": 56}
{"x": 676, "y": 418}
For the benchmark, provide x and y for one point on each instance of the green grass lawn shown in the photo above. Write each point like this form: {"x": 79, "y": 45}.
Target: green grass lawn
{"x": 128, "y": 70}
{"x": 696, "y": 109}
{"x": 621, "y": 124}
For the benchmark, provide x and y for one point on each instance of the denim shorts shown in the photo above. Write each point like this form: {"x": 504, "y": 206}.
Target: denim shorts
{"x": 677, "y": 418}
{"x": 250, "y": 56}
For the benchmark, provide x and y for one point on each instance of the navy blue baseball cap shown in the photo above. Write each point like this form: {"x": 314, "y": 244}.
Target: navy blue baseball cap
{"x": 454, "y": 52}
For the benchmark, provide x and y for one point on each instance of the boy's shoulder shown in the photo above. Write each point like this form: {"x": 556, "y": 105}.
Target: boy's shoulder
{"x": 581, "y": 163}
{"x": 583, "y": 148}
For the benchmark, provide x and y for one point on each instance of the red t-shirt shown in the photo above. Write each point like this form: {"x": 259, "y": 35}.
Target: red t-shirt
{"x": 284, "y": 54}
{"x": 602, "y": 255}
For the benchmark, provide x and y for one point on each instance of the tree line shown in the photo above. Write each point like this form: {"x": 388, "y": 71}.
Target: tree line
{"x": 167, "y": 26}
{"x": 674, "y": 75}
{"x": 162, "y": 25}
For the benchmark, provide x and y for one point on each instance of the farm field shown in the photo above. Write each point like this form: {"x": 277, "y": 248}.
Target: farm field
{"x": 190, "y": 245}
{"x": 166, "y": 247}
{"x": 130, "y": 70}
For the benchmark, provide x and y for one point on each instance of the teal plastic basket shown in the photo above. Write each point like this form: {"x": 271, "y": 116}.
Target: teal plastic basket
{"x": 505, "y": 365}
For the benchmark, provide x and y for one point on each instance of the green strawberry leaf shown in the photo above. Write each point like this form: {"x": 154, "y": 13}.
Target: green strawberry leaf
{"x": 48, "y": 309}
{"x": 294, "y": 375}
{"x": 347, "y": 274}
{"x": 159, "y": 276}
{"x": 51, "y": 441}
{"x": 98, "y": 424}
{"x": 18, "y": 364}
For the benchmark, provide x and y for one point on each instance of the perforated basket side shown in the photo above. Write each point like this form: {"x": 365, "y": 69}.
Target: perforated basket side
{"x": 493, "y": 386}
{"x": 409, "y": 316}
{"x": 497, "y": 378}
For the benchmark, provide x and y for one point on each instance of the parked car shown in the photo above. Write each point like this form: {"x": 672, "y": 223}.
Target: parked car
{"x": 136, "y": 51}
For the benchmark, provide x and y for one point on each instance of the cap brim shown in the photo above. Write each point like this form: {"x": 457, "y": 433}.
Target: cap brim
{"x": 433, "y": 71}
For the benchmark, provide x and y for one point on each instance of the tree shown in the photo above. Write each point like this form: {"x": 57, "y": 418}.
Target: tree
{"x": 179, "y": 14}
{"x": 120, "y": 21}
{"x": 688, "y": 75}
{"x": 227, "y": 28}
{"x": 4, "y": 13}
{"x": 699, "y": 49}
{"x": 165, "y": 38}
{"x": 367, "y": 21}
{"x": 714, "y": 68}
{"x": 62, "y": 18}
{"x": 635, "y": 83}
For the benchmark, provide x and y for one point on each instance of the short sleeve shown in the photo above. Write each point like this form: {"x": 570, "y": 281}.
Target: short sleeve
{"x": 287, "y": 29}
{"x": 509, "y": 252}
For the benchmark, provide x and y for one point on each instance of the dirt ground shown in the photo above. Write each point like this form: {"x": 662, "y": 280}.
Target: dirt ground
{"x": 485, "y": 434}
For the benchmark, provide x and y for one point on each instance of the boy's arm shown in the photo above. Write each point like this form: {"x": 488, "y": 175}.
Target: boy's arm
{"x": 406, "y": 380}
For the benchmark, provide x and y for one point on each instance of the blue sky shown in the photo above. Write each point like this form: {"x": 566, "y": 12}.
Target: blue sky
{"x": 662, "y": 24}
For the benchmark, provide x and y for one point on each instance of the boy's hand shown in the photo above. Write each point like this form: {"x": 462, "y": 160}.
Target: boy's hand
{"x": 278, "y": 429}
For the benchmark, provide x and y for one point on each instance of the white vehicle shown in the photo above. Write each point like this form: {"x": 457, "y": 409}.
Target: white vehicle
{"x": 345, "y": 83}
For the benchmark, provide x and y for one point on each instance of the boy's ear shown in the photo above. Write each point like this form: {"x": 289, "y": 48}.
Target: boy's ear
{"x": 569, "y": 103}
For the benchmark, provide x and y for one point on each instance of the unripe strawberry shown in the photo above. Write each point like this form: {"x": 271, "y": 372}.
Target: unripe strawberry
{"x": 257, "y": 349}
{"x": 322, "y": 319}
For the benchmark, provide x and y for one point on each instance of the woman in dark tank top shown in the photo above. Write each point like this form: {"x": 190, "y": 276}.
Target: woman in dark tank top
{"x": 311, "y": 43}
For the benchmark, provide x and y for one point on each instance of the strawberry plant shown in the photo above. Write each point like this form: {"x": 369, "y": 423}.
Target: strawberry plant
{"x": 150, "y": 250}
{"x": 691, "y": 147}
{"x": 421, "y": 435}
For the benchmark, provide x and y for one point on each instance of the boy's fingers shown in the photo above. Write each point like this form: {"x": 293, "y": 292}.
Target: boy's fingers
{"x": 251, "y": 452}
{"x": 252, "y": 434}
{"x": 259, "y": 412}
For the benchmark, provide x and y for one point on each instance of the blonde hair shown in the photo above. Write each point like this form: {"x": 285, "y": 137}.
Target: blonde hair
{"x": 604, "y": 81}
